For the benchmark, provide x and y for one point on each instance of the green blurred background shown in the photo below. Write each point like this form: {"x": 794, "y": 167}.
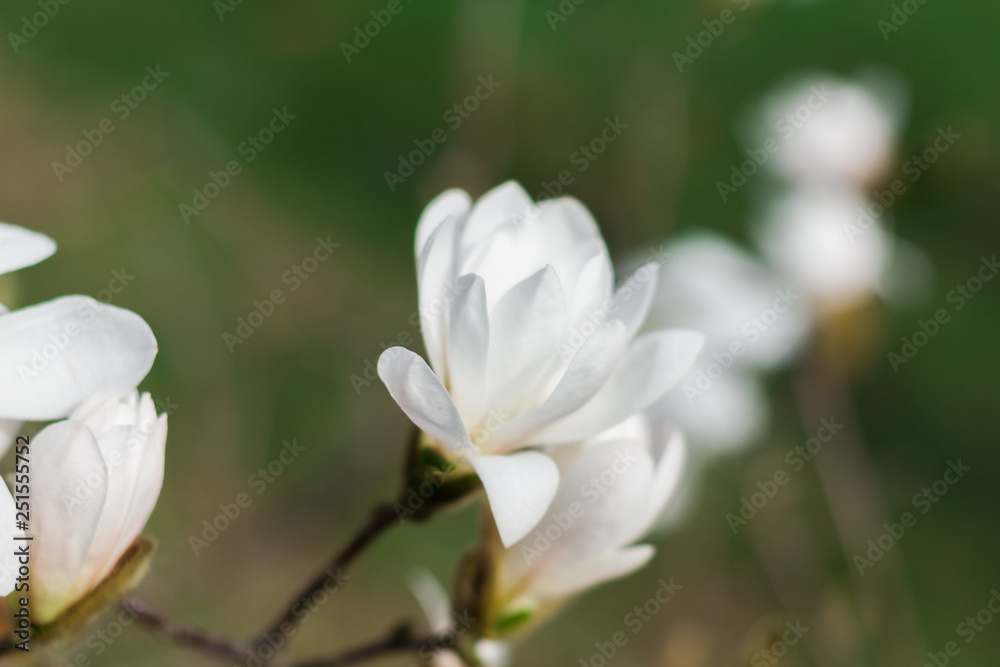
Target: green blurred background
{"x": 324, "y": 176}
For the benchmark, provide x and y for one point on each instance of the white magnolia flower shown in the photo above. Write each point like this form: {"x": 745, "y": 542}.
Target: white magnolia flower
{"x": 53, "y": 356}
{"x": 528, "y": 341}
{"x": 613, "y": 489}
{"x": 831, "y": 130}
{"x": 826, "y": 243}
{"x": 754, "y": 323}
{"x": 96, "y": 479}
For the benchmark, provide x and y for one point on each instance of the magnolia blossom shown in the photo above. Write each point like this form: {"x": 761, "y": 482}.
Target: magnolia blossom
{"x": 831, "y": 130}
{"x": 754, "y": 323}
{"x": 826, "y": 242}
{"x": 53, "y": 356}
{"x": 97, "y": 477}
{"x": 528, "y": 340}
{"x": 612, "y": 490}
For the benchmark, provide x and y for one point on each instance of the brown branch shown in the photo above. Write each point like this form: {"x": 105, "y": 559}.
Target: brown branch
{"x": 394, "y": 642}
{"x": 195, "y": 638}
{"x": 381, "y": 519}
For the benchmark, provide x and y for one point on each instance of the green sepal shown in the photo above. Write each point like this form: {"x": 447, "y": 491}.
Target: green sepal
{"x": 510, "y": 622}
{"x": 127, "y": 574}
{"x": 433, "y": 481}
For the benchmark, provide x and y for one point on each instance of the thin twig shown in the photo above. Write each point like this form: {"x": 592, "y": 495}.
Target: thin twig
{"x": 382, "y": 518}
{"x": 195, "y": 638}
{"x": 392, "y": 643}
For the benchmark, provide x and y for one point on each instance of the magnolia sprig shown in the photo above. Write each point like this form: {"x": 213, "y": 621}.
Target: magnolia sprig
{"x": 535, "y": 396}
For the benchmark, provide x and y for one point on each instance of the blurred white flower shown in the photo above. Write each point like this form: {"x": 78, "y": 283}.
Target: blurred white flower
{"x": 808, "y": 235}
{"x": 528, "y": 340}
{"x": 729, "y": 416}
{"x": 613, "y": 489}
{"x": 847, "y": 135}
{"x": 712, "y": 285}
{"x": 96, "y": 479}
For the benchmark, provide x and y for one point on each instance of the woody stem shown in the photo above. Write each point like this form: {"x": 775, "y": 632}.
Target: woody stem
{"x": 381, "y": 519}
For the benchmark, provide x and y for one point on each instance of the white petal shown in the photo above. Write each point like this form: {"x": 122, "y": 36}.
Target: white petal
{"x": 589, "y": 369}
{"x": 67, "y": 498}
{"x": 9, "y": 429}
{"x": 468, "y": 347}
{"x": 147, "y": 484}
{"x": 669, "y": 471}
{"x": 593, "y": 572}
{"x": 20, "y": 248}
{"x": 565, "y": 222}
{"x": 634, "y": 298}
{"x": 122, "y": 458}
{"x": 433, "y": 600}
{"x": 651, "y": 366}
{"x": 592, "y": 289}
{"x": 520, "y": 488}
{"x": 435, "y": 278}
{"x": 135, "y": 457}
{"x": 423, "y": 398}
{"x": 526, "y": 324}
{"x": 500, "y": 205}
{"x": 449, "y": 204}
{"x": 8, "y": 532}
{"x": 56, "y": 354}
{"x": 610, "y": 485}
